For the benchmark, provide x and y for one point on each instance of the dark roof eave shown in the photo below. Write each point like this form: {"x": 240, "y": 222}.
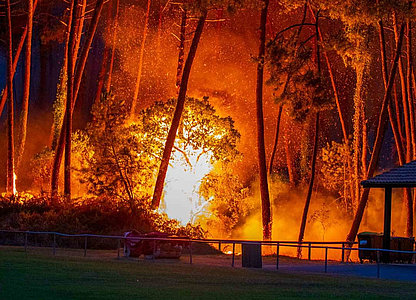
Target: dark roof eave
{"x": 386, "y": 185}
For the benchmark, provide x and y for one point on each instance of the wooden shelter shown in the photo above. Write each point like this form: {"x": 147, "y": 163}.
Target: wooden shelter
{"x": 400, "y": 177}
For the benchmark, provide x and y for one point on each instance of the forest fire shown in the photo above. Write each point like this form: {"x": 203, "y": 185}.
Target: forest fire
{"x": 181, "y": 193}
{"x": 179, "y": 116}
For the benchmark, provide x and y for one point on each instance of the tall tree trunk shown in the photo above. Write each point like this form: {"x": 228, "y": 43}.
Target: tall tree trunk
{"x": 338, "y": 104}
{"x": 80, "y": 19}
{"x": 381, "y": 128}
{"x": 65, "y": 135}
{"x": 113, "y": 48}
{"x": 140, "y": 65}
{"x": 159, "y": 31}
{"x": 276, "y": 138}
{"x": 410, "y": 88}
{"x": 314, "y": 154}
{"x": 405, "y": 97}
{"x": 310, "y": 187}
{"x": 293, "y": 178}
{"x": 264, "y": 187}
{"x": 16, "y": 60}
{"x": 397, "y": 138}
{"x": 157, "y": 194}
{"x": 181, "y": 55}
{"x": 69, "y": 98}
{"x": 59, "y": 139}
{"x": 357, "y": 142}
{"x": 26, "y": 84}
{"x": 10, "y": 122}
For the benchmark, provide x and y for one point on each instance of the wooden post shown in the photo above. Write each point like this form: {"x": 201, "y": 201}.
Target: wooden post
{"x": 326, "y": 259}
{"x": 219, "y": 246}
{"x": 25, "y": 241}
{"x": 190, "y": 252}
{"x": 54, "y": 244}
{"x": 343, "y": 252}
{"x": 378, "y": 263}
{"x": 277, "y": 256}
{"x": 233, "y": 259}
{"x": 387, "y": 223}
{"x": 309, "y": 251}
{"x": 118, "y": 248}
{"x": 85, "y": 246}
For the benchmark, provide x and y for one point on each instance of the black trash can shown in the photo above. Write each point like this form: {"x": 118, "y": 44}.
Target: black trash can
{"x": 369, "y": 240}
{"x": 251, "y": 255}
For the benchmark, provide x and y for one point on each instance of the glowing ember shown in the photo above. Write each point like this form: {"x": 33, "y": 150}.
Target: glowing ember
{"x": 181, "y": 199}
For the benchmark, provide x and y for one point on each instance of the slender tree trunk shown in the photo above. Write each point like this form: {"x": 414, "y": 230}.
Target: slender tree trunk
{"x": 314, "y": 154}
{"x": 65, "y": 135}
{"x": 397, "y": 138}
{"x": 405, "y": 101}
{"x": 92, "y": 28}
{"x": 381, "y": 128}
{"x": 113, "y": 48}
{"x": 293, "y": 178}
{"x": 159, "y": 31}
{"x": 26, "y": 85}
{"x": 310, "y": 187}
{"x": 181, "y": 56}
{"x": 69, "y": 99}
{"x": 358, "y": 105}
{"x": 80, "y": 19}
{"x": 364, "y": 150}
{"x": 264, "y": 187}
{"x": 276, "y": 138}
{"x": 60, "y": 139}
{"x": 16, "y": 60}
{"x": 140, "y": 65}
{"x": 410, "y": 88}
{"x": 10, "y": 122}
{"x": 157, "y": 194}
{"x": 339, "y": 110}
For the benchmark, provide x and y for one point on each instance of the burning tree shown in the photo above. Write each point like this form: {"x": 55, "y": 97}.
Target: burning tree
{"x": 118, "y": 157}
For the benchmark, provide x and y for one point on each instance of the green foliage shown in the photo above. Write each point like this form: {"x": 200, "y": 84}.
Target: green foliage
{"x": 335, "y": 176}
{"x": 296, "y": 81}
{"x": 41, "y": 166}
{"x": 59, "y": 106}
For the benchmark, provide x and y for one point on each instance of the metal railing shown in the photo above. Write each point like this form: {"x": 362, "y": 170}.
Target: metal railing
{"x": 326, "y": 246}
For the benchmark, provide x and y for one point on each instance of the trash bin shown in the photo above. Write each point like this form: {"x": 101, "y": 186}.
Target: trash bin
{"x": 251, "y": 255}
{"x": 369, "y": 240}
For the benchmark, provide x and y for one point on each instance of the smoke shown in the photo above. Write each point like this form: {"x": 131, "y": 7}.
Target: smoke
{"x": 326, "y": 219}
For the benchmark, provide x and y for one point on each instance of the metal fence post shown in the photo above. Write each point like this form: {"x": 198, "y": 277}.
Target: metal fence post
{"x": 232, "y": 262}
{"x": 378, "y": 263}
{"x": 85, "y": 245}
{"x": 326, "y": 259}
{"x": 25, "y": 241}
{"x": 190, "y": 252}
{"x": 118, "y": 248}
{"x": 54, "y": 244}
{"x": 277, "y": 256}
{"x": 309, "y": 251}
{"x": 343, "y": 252}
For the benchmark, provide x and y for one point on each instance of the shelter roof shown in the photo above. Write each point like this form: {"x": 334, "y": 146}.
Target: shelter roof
{"x": 402, "y": 176}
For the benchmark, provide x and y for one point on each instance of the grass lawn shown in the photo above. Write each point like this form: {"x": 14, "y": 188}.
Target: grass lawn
{"x": 42, "y": 276}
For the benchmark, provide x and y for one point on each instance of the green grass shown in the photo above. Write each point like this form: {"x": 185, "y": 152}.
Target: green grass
{"x": 42, "y": 276}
